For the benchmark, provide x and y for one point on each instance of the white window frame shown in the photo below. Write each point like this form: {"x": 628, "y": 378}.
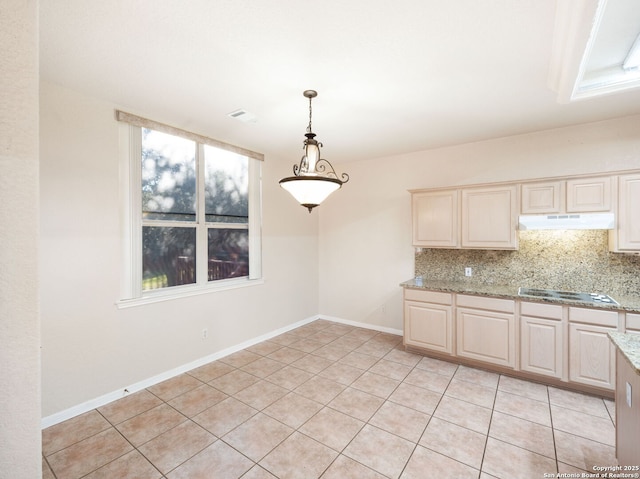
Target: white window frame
{"x": 130, "y": 152}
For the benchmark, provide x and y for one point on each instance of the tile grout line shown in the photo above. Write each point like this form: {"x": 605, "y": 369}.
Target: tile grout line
{"x": 553, "y": 433}
{"x": 129, "y": 442}
{"x": 428, "y": 422}
{"x": 486, "y": 442}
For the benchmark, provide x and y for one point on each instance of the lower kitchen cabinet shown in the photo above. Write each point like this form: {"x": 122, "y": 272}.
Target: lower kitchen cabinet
{"x": 559, "y": 342}
{"x": 627, "y": 412}
{"x": 486, "y": 329}
{"x": 428, "y": 321}
{"x": 541, "y": 339}
{"x": 591, "y": 355}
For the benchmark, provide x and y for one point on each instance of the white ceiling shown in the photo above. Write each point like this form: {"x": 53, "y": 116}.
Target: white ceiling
{"x": 392, "y": 77}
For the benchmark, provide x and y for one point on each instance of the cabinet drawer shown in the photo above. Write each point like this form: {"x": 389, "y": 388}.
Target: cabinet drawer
{"x": 633, "y": 321}
{"x": 594, "y": 316}
{"x": 541, "y": 310}
{"x": 437, "y": 297}
{"x": 490, "y": 304}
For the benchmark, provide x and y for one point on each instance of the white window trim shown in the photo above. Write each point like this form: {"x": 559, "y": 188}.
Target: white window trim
{"x": 131, "y": 293}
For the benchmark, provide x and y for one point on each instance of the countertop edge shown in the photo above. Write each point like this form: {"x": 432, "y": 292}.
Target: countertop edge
{"x": 631, "y": 305}
{"x": 629, "y": 346}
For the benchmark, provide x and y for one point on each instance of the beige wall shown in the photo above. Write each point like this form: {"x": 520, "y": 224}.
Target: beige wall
{"x": 365, "y": 229}
{"x": 20, "y": 449}
{"x": 90, "y": 348}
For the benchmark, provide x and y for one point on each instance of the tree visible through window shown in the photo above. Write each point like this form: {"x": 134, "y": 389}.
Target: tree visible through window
{"x": 195, "y": 211}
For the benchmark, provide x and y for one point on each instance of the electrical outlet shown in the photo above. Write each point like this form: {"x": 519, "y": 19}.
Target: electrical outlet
{"x": 468, "y": 271}
{"x": 205, "y": 333}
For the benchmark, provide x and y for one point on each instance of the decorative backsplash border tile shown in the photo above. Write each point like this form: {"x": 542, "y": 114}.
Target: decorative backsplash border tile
{"x": 571, "y": 260}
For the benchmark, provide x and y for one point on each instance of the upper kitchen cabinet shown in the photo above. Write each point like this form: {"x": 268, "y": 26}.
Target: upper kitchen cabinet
{"x": 489, "y": 217}
{"x": 577, "y": 195}
{"x": 542, "y": 198}
{"x": 475, "y": 218}
{"x": 589, "y": 195}
{"x": 626, "y": 237}
{"x": 435, "y": 219}
{"x": 478, "y": 218}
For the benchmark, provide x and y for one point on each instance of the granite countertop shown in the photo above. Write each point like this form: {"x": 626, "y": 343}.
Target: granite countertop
{"x": 630, "y": 304}
{"x": 629, "y": 346}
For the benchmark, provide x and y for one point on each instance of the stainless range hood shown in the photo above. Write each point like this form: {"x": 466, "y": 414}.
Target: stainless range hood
{"x": 584, "y": 221}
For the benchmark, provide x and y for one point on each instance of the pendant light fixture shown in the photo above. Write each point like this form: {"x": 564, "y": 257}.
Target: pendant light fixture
{"x": 314, "y": 178}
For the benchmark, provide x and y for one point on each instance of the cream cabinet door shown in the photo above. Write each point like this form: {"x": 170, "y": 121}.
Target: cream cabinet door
{"x": 628, "y": 231}
{"x": 486, "y": 336}
{"x": 489, "y": 217}
{"x": 541, "y": 346}
{"x": 542, "y": 198}
{"x": 591, "y": 355}
{"x": 627, "y": 413}
{"x": 428, "y": 326}
{"x": 435, "y": 219}
{"x": 589, "y": 195}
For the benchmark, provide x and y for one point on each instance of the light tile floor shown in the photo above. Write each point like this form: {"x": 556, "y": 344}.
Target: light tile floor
{"x": 332, "y": 401}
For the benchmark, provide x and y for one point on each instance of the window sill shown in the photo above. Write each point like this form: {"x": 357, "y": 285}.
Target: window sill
{"x": 179, "y": 292}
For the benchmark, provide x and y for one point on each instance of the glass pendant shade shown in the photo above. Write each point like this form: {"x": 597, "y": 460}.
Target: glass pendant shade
{"x": 312, "y": 153}
{"x": 310, "y": 191}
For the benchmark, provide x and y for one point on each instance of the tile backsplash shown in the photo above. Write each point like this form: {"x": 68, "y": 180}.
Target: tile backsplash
{"x": 576, "y": 260}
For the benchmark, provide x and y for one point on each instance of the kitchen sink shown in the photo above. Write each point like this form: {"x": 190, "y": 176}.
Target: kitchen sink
{"x": 592, "y": 298}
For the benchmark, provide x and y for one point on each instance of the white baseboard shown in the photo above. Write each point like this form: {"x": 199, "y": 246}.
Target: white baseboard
{"x": 374, "y": 327}
{"x": 139, "y": 386}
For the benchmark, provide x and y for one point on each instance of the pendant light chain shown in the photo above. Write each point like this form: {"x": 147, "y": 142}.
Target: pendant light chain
{"x": 309, "y": 127}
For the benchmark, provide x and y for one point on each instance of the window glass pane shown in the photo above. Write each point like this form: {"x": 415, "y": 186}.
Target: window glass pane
{"x": 226, "y": 186}
{"x": 228, "y": 253}
{"x": 168, "y": 257}
{"x": 168, "y": 177}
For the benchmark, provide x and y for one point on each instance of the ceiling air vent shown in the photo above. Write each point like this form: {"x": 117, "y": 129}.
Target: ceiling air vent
{"x": 243, "y": 115}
